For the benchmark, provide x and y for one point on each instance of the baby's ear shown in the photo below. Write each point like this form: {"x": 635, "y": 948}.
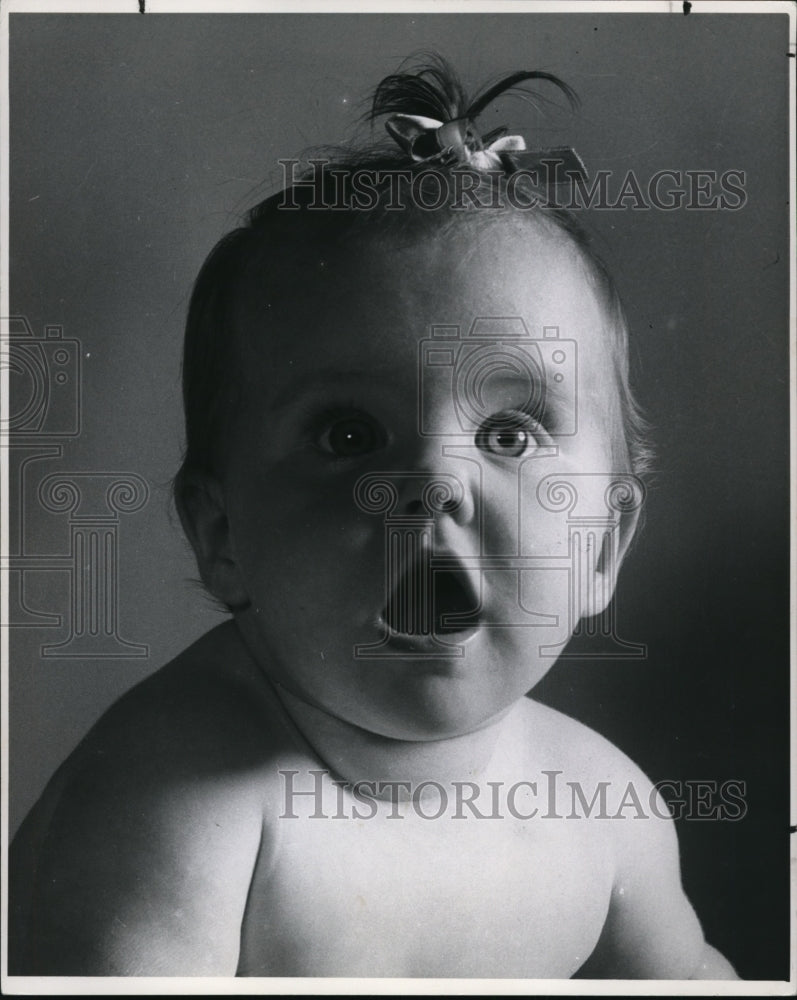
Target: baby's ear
{"x": 200, "y": 504}
{"x": 601, "y": 559}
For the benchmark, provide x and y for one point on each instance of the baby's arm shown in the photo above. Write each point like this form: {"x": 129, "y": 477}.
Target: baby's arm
{"x": 148, "y": 882}
{"x": 651, "y": 931}
{"x": 149, "y": 855}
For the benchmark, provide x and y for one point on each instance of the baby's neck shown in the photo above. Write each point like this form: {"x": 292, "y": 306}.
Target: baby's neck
{"x": 357, "y": 755}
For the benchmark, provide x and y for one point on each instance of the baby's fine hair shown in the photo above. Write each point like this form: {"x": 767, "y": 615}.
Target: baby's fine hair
{"x": 283, "y": 225}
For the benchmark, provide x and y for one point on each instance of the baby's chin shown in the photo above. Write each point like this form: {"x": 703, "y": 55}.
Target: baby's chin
{"x": 402, "y": 698}
{"x": 443, "y": 713}
{"x": 444, "y": 706}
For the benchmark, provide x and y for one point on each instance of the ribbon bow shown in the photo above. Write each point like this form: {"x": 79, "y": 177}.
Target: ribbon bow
{"x": 427, "y": 138}
{"x": 457, "y": 141}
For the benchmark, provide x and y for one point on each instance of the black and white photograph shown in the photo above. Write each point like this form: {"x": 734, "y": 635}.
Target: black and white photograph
{"x": 396, "y": 439}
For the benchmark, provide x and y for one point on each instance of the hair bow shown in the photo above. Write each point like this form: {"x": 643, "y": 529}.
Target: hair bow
{"x": 457, "y": 141}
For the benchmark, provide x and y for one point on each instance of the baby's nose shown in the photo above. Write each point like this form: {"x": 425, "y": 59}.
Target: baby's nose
{"x": 417, "y": 494}
{"x": 446, "y": 490}
{"x": 416, "y": 507}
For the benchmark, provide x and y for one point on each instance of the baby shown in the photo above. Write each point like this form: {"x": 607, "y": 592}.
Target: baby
{"x": 411, "y": 470}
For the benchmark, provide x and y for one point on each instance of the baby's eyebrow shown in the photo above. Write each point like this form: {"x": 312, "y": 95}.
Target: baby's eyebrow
{"x": 553, "y": 393}
{"x": 319, "y": 379}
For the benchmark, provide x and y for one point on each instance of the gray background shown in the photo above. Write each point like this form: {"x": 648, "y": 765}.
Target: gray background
{"x": 137, "y": 141}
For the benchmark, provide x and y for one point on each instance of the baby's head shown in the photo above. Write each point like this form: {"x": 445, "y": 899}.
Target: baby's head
{"x": 394, "y": 415}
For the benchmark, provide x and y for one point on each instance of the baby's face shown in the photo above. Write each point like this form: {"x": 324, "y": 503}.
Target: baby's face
{"x": 441, "y": 630}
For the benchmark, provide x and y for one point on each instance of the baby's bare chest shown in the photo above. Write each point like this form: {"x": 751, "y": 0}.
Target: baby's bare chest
{"x": 398, "y": 894}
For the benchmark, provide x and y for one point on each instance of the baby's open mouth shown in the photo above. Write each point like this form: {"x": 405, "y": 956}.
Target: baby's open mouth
{"x": 426, "y": 601}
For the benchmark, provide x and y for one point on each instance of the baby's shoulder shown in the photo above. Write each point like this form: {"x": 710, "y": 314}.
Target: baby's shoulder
{"x": 564, "y": 744}
{"x": 595, "y": 782}
{"x": 163, "y": 801}
{"x": 209, "y": 714}
{"x": 650, "y": 930}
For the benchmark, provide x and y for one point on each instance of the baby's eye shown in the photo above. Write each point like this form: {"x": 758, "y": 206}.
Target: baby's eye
{"x": 350, "y": 435}
{"x": 509, "y": 434}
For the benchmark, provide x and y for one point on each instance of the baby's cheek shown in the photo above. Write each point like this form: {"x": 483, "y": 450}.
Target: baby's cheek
{"x": 496, "y": 523}
{"x": 542, "y": 521}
